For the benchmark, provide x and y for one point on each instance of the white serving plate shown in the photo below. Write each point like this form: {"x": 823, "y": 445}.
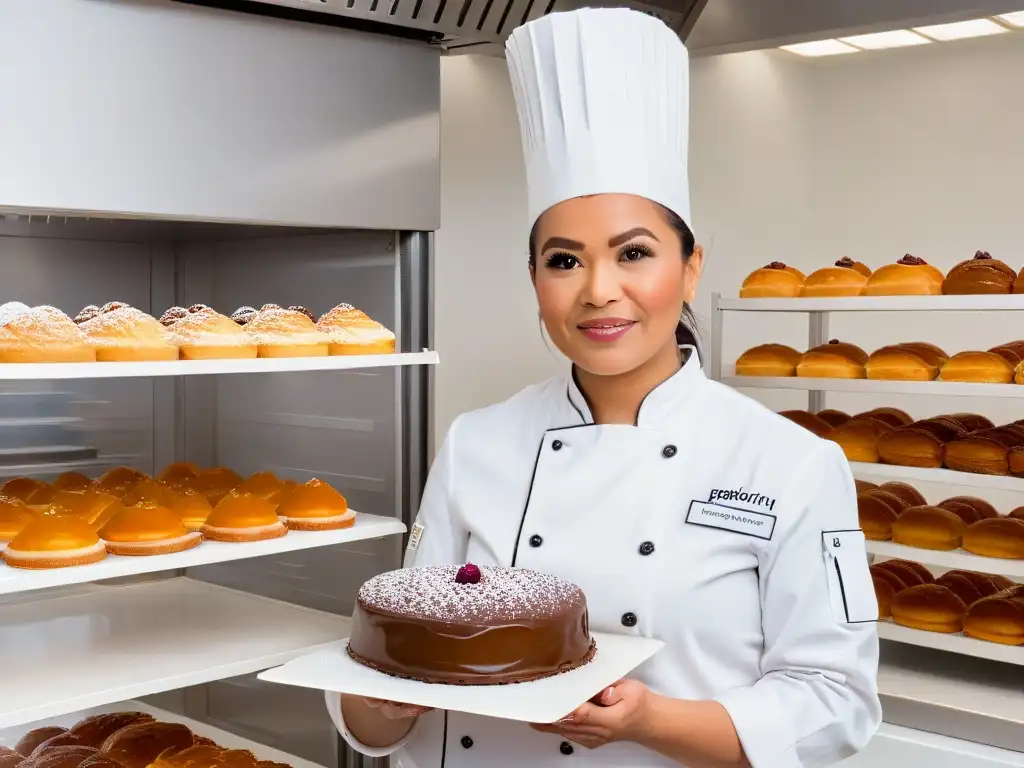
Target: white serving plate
{"x": 539, "y": 701}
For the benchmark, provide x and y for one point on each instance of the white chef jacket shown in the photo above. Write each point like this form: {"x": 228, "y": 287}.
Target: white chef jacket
{"x": 712, "y": 524}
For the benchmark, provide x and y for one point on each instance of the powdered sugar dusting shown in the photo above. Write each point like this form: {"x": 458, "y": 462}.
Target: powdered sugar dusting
{"x": 11, "y": 311}
{"x": 502, "y": 594}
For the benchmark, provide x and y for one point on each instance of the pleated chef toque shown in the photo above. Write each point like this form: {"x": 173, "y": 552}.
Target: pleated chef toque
{"x": 603, "y": 96}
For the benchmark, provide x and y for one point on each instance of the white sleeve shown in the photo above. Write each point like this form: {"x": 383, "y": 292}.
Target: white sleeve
{"x": 438, "y": 537}
{"x": 817, "y": 701}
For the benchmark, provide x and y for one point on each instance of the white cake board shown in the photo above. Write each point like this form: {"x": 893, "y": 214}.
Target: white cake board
{"x": 539, "y": 701}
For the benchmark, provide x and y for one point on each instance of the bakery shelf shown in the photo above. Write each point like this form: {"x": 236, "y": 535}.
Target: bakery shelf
{"x": 1007, "y": 302}
{"x": 956, "y": 560}
{"x": 14, "y": 580}
{"x": 865, "y": 471}
{"x": 870, "y": 387}
{"x": 52, "y": 371}
{"x": 10, "y": 736}
{"x": 102, "y": 644}
{"x": 967, "y": 646}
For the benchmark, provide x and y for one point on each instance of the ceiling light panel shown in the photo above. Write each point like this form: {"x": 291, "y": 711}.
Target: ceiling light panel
{"x": 897, "y": 38}
{"x": 820, "y": 48}
{"x": 960, "y": 30}
{"x": 1013, "y": 19}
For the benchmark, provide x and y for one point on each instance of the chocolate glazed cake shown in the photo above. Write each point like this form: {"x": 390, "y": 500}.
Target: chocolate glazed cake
{"x": 470, "y": 625}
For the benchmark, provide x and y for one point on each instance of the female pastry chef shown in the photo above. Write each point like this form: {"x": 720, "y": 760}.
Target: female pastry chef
{"x": 684, "y": 510}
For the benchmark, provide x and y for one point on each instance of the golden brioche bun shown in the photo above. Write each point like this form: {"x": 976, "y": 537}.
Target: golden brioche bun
{"x": 930, "y": 607}
{"x": 906, "y": 492}
{"x": 768, "y": 360}
{"x": 832, "y": 417}
{"x": 998, "y": 618}
{"x": 910, "y": 276}
{"x": 982, "y": 507}
{"x": 982, "y": 274}
{"x": 996, "y": 537}
{"x": 773, "y": 281}
{"x": 984, "y": 452}
{"x": 928, "y": 527}
{"x": 884, "y": 594}
{"x": 875, "y": 517}
{"x": 901, "y": 363}
{"x": 808, "y": 421}
{"x": 977, "y": 367}
{"x": 842, "y": 279}
{"x": 351, "y": 332}
{"x": 835, "y": 360}
{"x": 859, "y": 438}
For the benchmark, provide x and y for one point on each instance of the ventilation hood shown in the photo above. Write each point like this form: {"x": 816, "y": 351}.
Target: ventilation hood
{"x": 708, "y": 26}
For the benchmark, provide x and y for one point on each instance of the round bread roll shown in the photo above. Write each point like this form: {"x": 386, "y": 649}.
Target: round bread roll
{"x": 1017, "y": 514}
{"x": 884, "y": 593}
{"x": 139, "y": 744}
{"x": 996, "y": 537}
{"x": 984, "y": 452}
{"x": 969, "y": 422}
{"x": 890, "y": 578}
{"x": 1015, "y": 461}
{"x": 982, "y": 507}
{"x": 859, "y": 438}
{"x": 9, "y": 758}
{"x": 960, "y": 586}
{"x": 930, "y": 607}
{"x": 921, "y": 444}
{"x": 907, "y": 492}
{"x": 768, "y": 360}
{"x": 906, "y": 571}
{"x": 59, "y": 757}
{"x": 964, "y": 511}
{"x": 94, "y": 730}
{"x": 35, "y": 737}
{"x": 863, "y": 485}
{"x": 773, "y": 281}
{"x": 128, "y": 334}
{"x": 928, "y": 528}
{"x": 900, "y": 363}
{"x": 910, "y": 276}
{"x": 997, "y": 619}
{"x": 977, "y": 368}
{"x": 894, "y": 417}
{"x": 875, "y": 517}
{"x": 832, "y": 417}
{"x": 66, "y": 739}
{"x": 808, "y": 421}
{"x": 982, "y": 274}
{"x": 841, "y": 279}
{"x": 1012, "y": 352}
{"x": 835, "y": 360}
{"x": 982, "y": 582}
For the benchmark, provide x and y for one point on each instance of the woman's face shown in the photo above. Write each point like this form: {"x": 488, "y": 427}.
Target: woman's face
{"x": 611, "y": 281}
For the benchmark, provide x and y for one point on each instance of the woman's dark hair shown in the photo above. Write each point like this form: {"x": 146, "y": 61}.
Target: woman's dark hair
{"x": 686, "y": 330}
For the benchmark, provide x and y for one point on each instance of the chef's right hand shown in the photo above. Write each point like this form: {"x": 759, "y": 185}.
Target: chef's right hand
{"x": 394, "y": 710}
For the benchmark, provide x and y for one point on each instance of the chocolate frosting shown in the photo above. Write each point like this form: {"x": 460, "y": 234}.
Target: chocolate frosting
{"x": 911, "y": 261}
{"x": 846, "y": 262}
{"x": 775, "y": 265}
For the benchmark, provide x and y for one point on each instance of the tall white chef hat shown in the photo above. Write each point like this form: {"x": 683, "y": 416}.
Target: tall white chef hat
{"x": 603, "y": 96}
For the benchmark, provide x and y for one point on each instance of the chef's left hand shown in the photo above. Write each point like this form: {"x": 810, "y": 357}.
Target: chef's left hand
{"x": 618, "y": 713}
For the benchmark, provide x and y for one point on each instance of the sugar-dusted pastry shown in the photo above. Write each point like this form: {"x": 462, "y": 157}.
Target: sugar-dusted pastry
{"x": 910, "y": 276}
{"x": 978, "y": 368}
{"x": 930, "y": 607}
{"x": 980, "y": 506}
{"x": 845, "y": 278}
{"x": 28, "y": 743}
{"x": 51, "y": 541}
{"x": 996, "y": 537}
{"x": 72, "y": 481}
{"x": 768, "y": 360}
{"x": 834, "y": 360}
{"x": 928, "y": 527}
{"x": 286, "y": 333}
{"x": 191, "y": 507}
{"x": 172, "y": 315}
{"x": 126, "y": 333}
{"x": 772, "y": 281}
{"x": 903, "y": 362}
{"x": 147, "y": 531}
{"x": 41, "y": 335}
{"x": 985, "y": 452}
{"x": 88, "y": 505}
{"x": 808, "y": 421}
{"x": 982, "y": 274}
{"x": 119, "y": 480}
{"x": 920, "y": 444}
{"x": 859, "y": 438}
{"x": 904, "y": 491}
{"x": 178, "y": 471}
{"x": 139, "y": 744}
{"x": 215, "y": 483}
{"x": 316, "y": 506}
{"x": 21, "y": 487}
{"x": 207, "y": 335}
{"x": 243, "y": 315}
{"x": 14, "y": 515}
{"x": 998, "y": 618}
{"x": 353, "y": 333}
{"x": 92, "y": 731}
{"x": 243, "y": 518}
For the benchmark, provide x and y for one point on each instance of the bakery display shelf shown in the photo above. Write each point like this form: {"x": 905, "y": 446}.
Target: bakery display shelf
{"x": 1002, "y": 302}
{"x": 44, "y": 470}
{"x": 100, "y": 644}
{"x": 867, "y": 471}
{"x": 957, "y": 559}
{"x": 52, "y": 371}
{"x": 958, "y": 643}
{"x": 10, "y": 736}
{"x": 870, "y": 386}
{"x": 14, "y": 580}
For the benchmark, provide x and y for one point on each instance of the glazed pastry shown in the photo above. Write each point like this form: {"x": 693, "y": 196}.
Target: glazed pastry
{"x": 982, "y": 274}
{"x": 177, "y": 472}
{"x": 907, "y": 493}
{"x": 980, "y": 506}
{"x": 859, "y": 438}
{"x": 768, "y": 360}
{"x": 910, "y": 276}
{"x": 835, "y": 360}
{"x": 842, "y": 279}
{"x": 930, "y": 607}
{"x": 1018, "y": 284}
{"x": 996, "y": 537}
{"x": 286, "y": 333}
{"x": 127, "y": 334}
{"x": 1017, "y": 514}
{"x": 884, "y": 594}
{"x": 863, "y": 485}
{"x": 41, "y": 335}
{"x": 148, "y": 493}
{"x": 139, "y": 744}
{"x": 14, "y": 515}
{"x": 964, "y": 511}
{"x": 35, "y": 737}
{"x": 243, "y": 518}
{"x": 94, "y": 730}
{"x": 832, "y": 417}
{"x": 119, "y": 480}
{"x": 808, "y": 421}
{"x": 72, "y": 481}
{"x": 147, "y": 531}
{"x": 902, "y": 363}
{"x": 893, "y": 502}
{"x": 919, "y": 445}
{"x": 191, "y": 507}
{"x": 875, "y": 517}
{"x": 215, "y": 483}
{"x": 59, "y": 757}
{"x": 207, "y": 335}
{"x": 21, "y": 487}
{"x": 316, "y": 506}
{"x": 998, "y": 618}
{"x": 66, "y": 739}
{"x": 1015, "y": 461}
{"x": 266, "y": 485}
{"x": 54, "y": 542}
{"x": 85, "y": 505}
{"x": 894, "y": 417}
{"x": 977, "y": 368}
{"x": 985, "y": 452}
{"x": 172, "y": 316}
{"x": 928, "y": 528}
{"x": 772, "y": 281}
{"x": 353, "y": 333}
